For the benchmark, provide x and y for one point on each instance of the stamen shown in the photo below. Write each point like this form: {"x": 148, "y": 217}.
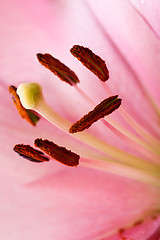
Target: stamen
{"x": 91, "y": 61}
{"x": 29, "y": 115}
{"x": 61, "y": 154}
{"x": 106, "y": 107}
{"x": 58, "y": 68}
{"x": 124, "y": 134}
{"x": 30, "y": 153}
{"x": 43, "y": 108}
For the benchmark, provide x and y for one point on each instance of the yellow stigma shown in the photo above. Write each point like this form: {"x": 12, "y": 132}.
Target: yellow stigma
{"x": 30, "y": 94}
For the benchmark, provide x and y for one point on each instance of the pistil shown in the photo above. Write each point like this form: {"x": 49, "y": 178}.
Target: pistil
{"x": 33, "y": 99}
{"x": 107, "y": 158}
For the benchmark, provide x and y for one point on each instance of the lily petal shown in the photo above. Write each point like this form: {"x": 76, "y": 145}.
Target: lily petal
{"x": 51, "y": 201}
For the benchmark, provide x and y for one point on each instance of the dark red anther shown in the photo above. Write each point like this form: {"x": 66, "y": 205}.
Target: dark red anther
{"x": 58, "y": 153}
{"x": 33, "y": 155}
{"x": 58, "y": 68}
{"x": 106, "y": 107}
{"x": 92, "y": 61}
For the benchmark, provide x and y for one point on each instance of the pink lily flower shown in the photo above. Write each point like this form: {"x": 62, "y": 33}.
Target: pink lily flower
{"x": 114, "y": 192}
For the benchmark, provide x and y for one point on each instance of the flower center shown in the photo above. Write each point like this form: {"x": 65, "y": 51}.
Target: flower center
{"x": 108, "y": 157}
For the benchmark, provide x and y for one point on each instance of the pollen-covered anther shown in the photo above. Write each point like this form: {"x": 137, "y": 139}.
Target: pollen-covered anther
{"x": 92, "y": 61}
{"x": 58, "y": 68}
{"x": 106, "y": 107}
{"x": 30, "y": 153}
{"x": 29, "y": 115}
{"x": 58, "y": 153}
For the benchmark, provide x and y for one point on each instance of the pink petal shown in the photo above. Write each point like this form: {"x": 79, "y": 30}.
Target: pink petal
{"x": 135, "y": 40}
{"x": 51, "y": 201}
{"x": 72, "y": 204}
{"x": 150, "y": 12}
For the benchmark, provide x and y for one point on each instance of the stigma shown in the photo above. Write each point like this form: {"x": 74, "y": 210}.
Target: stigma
{"x": 30, "y": 94}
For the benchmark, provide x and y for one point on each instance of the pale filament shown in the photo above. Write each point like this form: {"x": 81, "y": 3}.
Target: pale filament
{"x": 119, "y": 169}
{"x": 134, "y": 124}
